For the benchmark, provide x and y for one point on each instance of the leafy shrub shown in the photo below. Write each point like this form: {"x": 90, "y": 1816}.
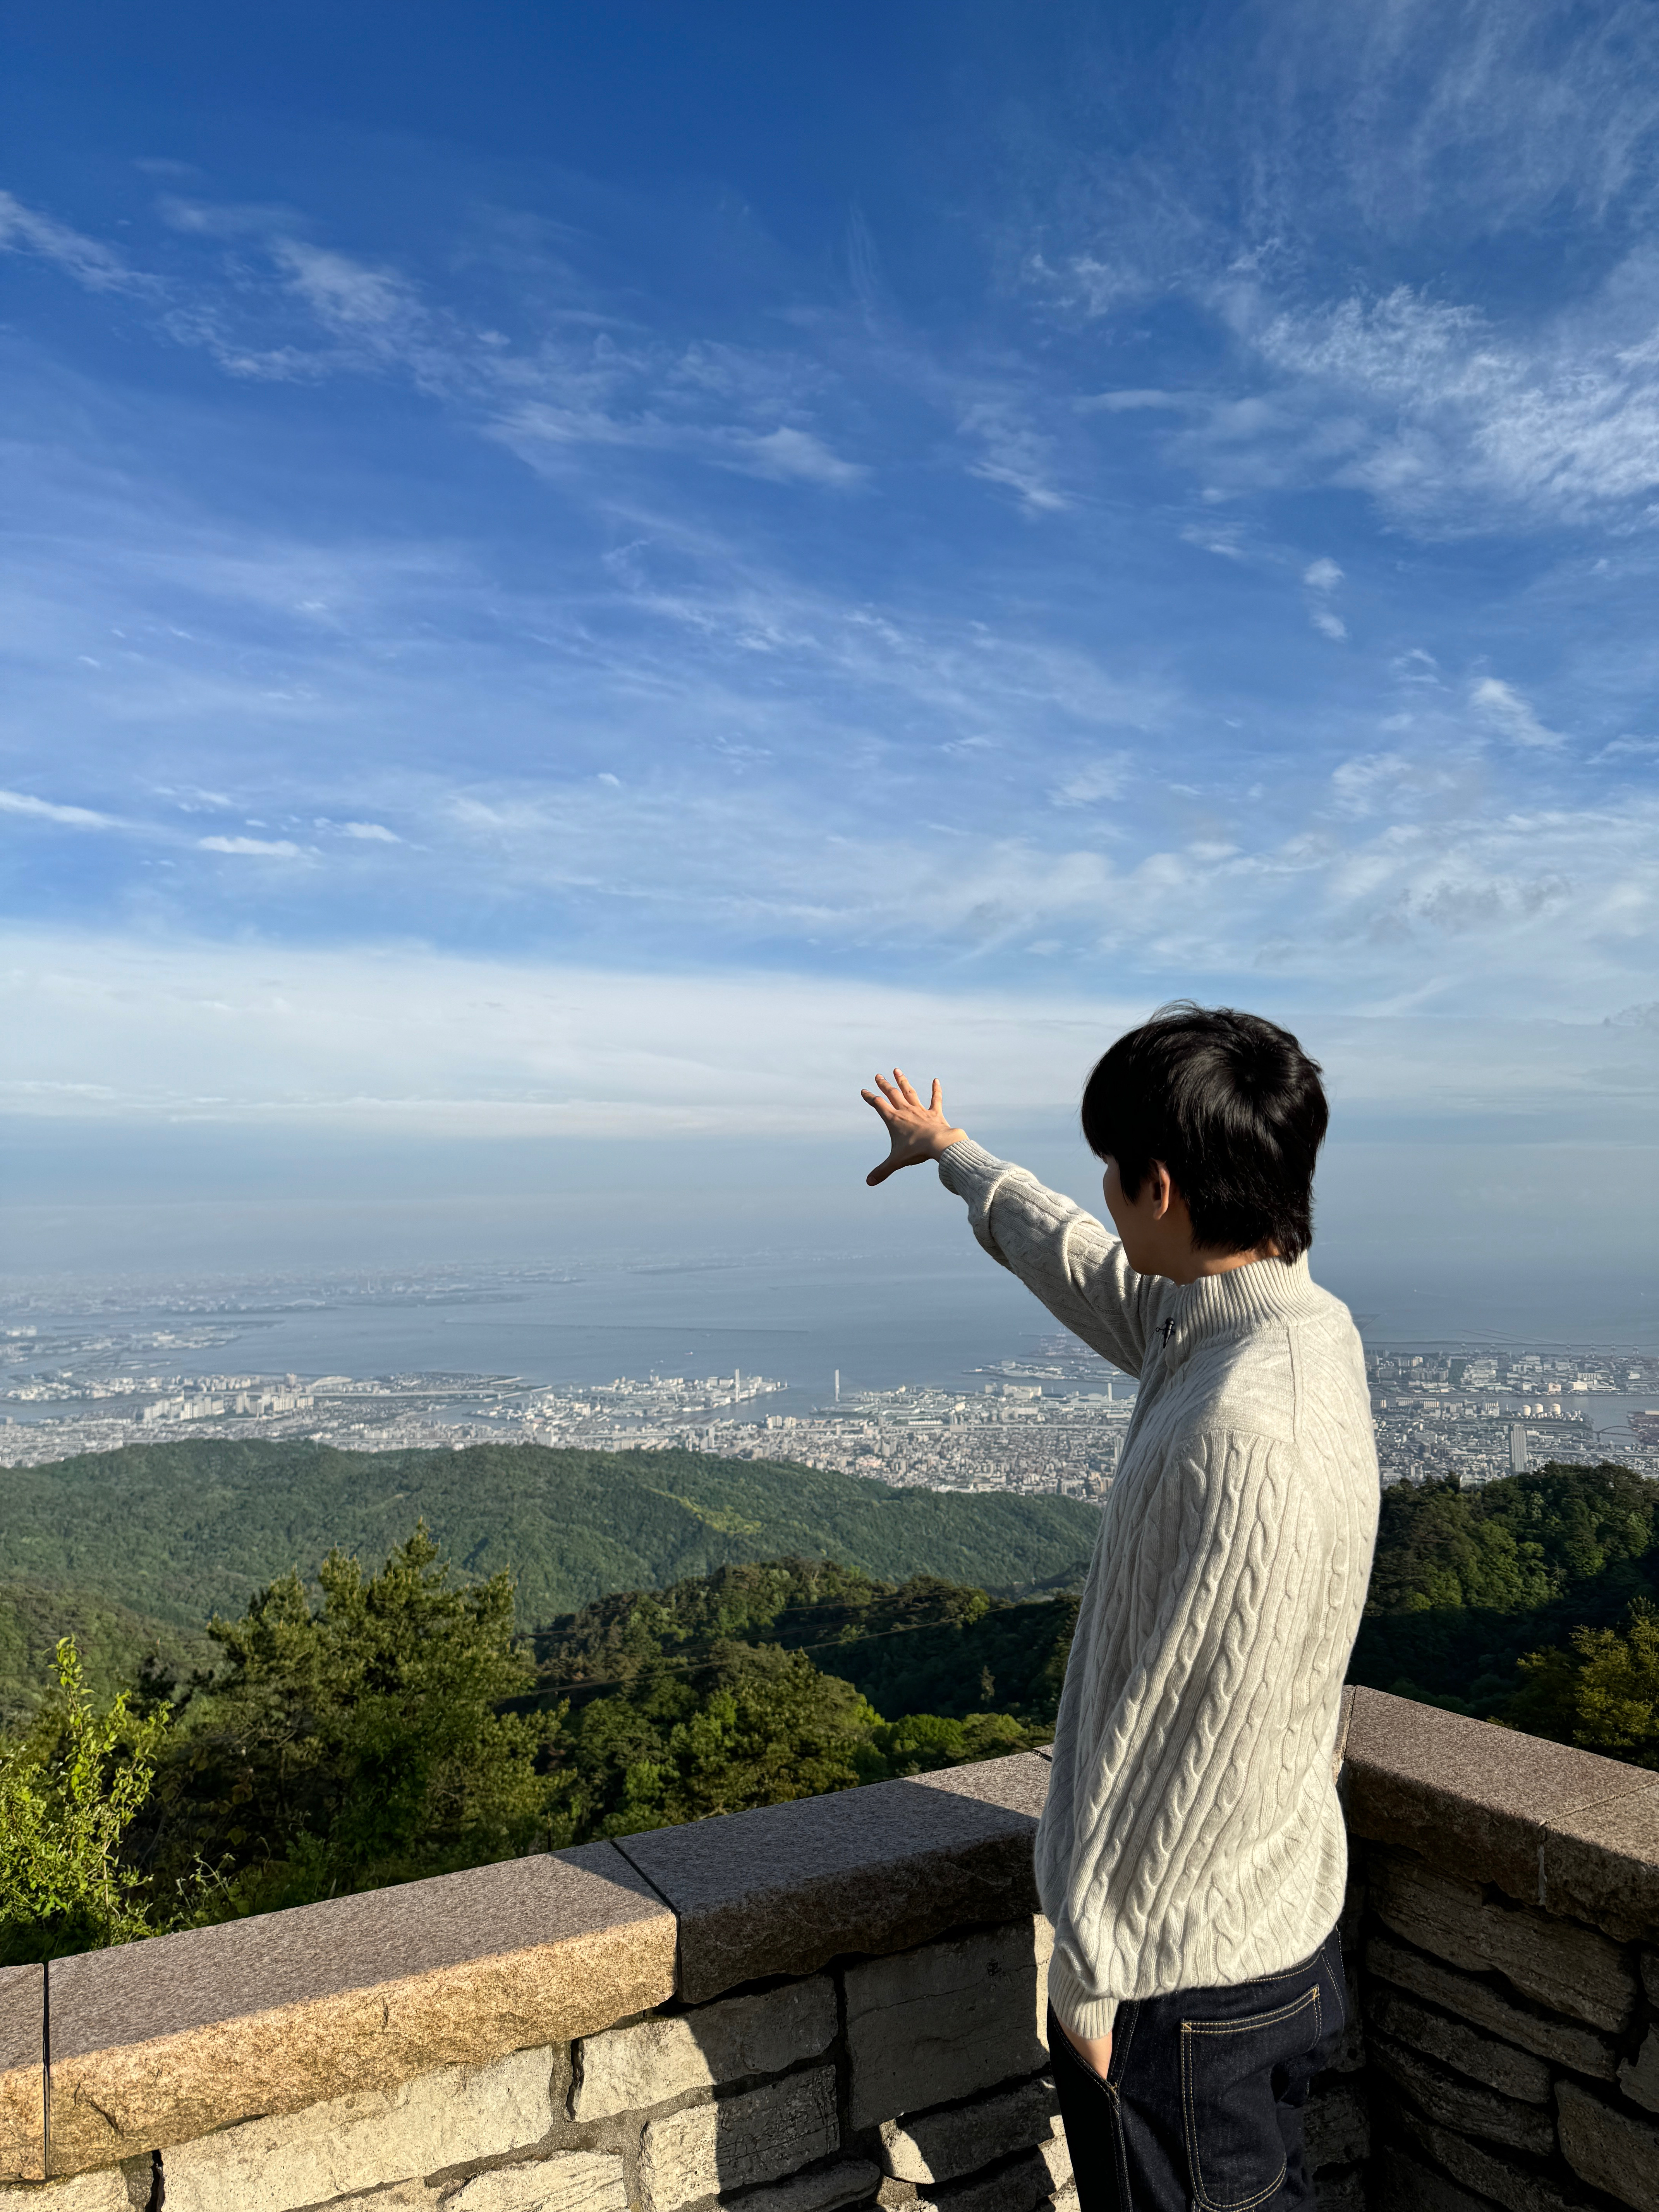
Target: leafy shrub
{"x": 1600, "y": 1692}
{"x": 70, "y": 1789}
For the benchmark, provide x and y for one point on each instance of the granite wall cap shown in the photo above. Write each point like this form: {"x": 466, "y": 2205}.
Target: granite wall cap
{"x": 163, "y": 2041}
{"x": 23, "y": 2074}
{"x": 785, "y": 1888}
{"x": 1601, "y": 1864}
{"x": 1477, "y": 1799}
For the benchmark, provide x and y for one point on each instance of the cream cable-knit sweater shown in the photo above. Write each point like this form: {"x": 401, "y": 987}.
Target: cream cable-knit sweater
{"x": 1192, "y": 1835}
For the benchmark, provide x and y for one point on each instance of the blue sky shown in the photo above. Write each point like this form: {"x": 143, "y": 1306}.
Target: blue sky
{"x": 579, "y": 574}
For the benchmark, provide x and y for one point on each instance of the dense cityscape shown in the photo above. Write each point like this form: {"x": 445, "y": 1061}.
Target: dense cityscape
{"x": 1052, "y": 1419}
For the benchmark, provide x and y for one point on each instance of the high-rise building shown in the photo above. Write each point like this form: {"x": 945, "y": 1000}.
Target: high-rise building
{"x": 1518, "y": 1461}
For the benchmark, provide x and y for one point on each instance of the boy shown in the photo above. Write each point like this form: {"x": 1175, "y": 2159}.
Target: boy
{"x": 1191, "y": 1855}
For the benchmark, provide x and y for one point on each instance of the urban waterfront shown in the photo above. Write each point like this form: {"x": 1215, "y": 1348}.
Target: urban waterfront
{"x": 958, "y": 1398}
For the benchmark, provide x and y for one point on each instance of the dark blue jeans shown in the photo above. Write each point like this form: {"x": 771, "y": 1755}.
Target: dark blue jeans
{"x": 1201, "y": 2107}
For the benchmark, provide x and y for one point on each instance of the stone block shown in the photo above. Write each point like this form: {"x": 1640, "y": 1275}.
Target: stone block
{"x": 569, "y": 2181}
{"x": 1035, "y": 2178}
{"x": 162, "y": 2042}
{"x": 1611, "y": 2150}
{"x": 785, "y": 1888}
{"x": 1336, "y": 2127}
{"x": 23, "y": 2074}
{"x": 1341, "y": 2189}
{"x": 849, "y": 2182}
{"x": 756, "y": 2136}
{"x": 1398, "y": 2183}
{"x": 631, "y": 2069}
{"x": 1638, "y": 2077}
{"x": 445, "y": 2118}
{"x": 1456, "y": 2103}
{"x": 1600, "y": 1862}
{"x": 113, "y": 2189}
{"x": 944, "y": 2145}
{"x": 1477, "y": 1799}
{"x": 1512, "y": 2073}
{"x": 1435, "y": 1910}
{"x": 1560, "y": 1964}
{"x": 1489, "y": 2172}
{"x": 1556, "y": 1962}
{"x": 946, "y": 2019}
{"x": 1546, "y": 2035}
{"x": 1651, "y": 1975}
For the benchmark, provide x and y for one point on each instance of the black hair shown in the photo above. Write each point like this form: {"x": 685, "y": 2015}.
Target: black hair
{"x": 1231, "y": 1106}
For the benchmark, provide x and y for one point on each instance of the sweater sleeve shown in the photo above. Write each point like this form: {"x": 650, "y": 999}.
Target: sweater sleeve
{"x": 1063, "y": 1256}
{"x": 1193, "y": 1740}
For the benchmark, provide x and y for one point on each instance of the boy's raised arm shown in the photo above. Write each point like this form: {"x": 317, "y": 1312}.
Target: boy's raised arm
{"x": 1064, "y": 1256}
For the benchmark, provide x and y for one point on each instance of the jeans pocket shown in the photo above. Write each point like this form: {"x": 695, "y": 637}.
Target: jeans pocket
{"x": 1230, "y": 2099}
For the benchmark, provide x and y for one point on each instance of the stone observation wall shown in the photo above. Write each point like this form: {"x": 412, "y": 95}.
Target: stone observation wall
{"x": 841, "y": 2002}
{"x": 1505, "y": 1899}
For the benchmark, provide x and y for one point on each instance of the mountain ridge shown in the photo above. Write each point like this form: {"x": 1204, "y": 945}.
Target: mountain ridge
{"x": 175, "y": 1531}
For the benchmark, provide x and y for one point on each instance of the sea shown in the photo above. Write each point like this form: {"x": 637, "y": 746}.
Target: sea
{"x": 798, "y": 1318}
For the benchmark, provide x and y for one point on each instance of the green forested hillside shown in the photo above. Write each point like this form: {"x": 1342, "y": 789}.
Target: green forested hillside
{"x": 357, "y": 1724}
{"x": 112, "y": 1640}
{"x": 368, "y": 1725}
{"x": 177, "y": 1531}
{"x": 1530, "y": 1601}
{"x": 928, "y": 1646}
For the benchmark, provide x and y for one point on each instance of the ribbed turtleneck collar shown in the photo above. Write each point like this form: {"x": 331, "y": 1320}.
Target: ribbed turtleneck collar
{"x": 1243, "y": 1298}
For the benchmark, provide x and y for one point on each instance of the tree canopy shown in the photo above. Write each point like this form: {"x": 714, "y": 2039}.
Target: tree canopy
{"x": 1529, "y": 1600}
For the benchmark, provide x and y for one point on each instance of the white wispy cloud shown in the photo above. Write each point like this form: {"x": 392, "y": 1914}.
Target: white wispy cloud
{"x": 318, "y": 311}
{"x": 47, "y": 810}
{"x": 274, "y": 848}
{"x": 1013, "y": 453}
{"x": 1090, "y": 781}
{"x": 1457, "y": 403}
{"x": 1133, "y": 402}
{"x": 1322, "y": 578}
{"x": 1418, "y": 118}
{"x": 788, "y": 455}
{"x": 92, "y": 264}
{"x": 1503, "y": 709}
{"x": 344, "y": 294}
{"x": 1449, "y": 417}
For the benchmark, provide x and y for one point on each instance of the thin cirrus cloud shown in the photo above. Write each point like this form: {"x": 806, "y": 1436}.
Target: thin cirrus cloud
{"x": 1322, "y": 578}
{"x": 47, "y": 810}
{"x": 273, "y": 848}
{"x": 1503, "y": 708}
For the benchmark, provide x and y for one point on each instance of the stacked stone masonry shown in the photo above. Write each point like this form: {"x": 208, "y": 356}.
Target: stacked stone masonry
{"x": 842, "y": 2002}
{"x": 1506, "y": 1892}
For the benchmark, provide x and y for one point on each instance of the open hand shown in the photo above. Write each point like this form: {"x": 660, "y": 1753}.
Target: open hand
{"x": 916, "y": 1133}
